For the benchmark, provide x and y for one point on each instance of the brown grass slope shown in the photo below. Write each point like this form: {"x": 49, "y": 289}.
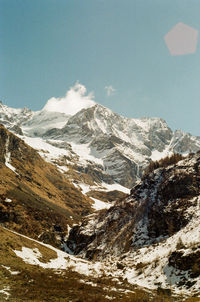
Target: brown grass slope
{"x": 44, "y": 201}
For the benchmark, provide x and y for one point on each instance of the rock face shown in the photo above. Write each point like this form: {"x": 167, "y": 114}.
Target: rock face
{"x": 110, "y": 147}
{"x": 153, "y": 230}
{"x": 157, "y": 208}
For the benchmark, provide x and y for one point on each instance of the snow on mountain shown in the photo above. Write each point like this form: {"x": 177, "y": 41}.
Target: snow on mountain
{"x": 7, "y": 157}
{"x": 62, "y": 262}
{"x": 57, "y": 276}
{"x": 151, "y": 237}
{"x": 122, "y": 146}
{"x": 94, "y": 140}
{"x": 34, "y": 193}
{"x": 12, "y": 118}
{"x": 46, "y": 150}
{"x": 101, "y": 151}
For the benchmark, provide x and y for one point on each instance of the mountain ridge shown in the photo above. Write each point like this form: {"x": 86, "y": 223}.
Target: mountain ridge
{"x": 152, "y": 231}
{"x": 114, "y": 148}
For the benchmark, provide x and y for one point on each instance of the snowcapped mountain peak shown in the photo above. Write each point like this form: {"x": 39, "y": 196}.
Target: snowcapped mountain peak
{"x": 12, "y": 118}
{"x": 8, "y": 111}
{"x": 75, "y": 100}
{"x": 112, "y": 146}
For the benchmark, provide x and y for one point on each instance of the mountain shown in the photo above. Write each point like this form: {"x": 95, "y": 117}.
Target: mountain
{"x": 36, "y": 199}
{"x": 95, "y": 142}
{"x": 61, "y": 164}
{"x": 12, "y": 118}
{"x": 121, "y": 147}
{"x": 148, "y": 240}
{"x": 152, "y": 237}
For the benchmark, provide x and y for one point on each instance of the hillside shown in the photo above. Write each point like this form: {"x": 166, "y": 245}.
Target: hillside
{"x": 36, "y": 199}
{"x": 32, "y": 271}
{"x": 152, "y": 237}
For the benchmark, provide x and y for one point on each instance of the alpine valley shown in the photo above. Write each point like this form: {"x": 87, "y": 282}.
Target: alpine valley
{"x": 82, "y": 218}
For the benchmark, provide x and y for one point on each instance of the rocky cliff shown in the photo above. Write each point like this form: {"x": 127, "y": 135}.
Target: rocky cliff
{"x": 153, "y": 235}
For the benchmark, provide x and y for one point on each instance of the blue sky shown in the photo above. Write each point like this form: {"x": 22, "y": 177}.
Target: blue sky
{"x": 48, "y": 45}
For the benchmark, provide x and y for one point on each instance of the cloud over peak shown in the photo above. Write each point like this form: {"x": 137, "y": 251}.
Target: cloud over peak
{"x": 75, "y": 100}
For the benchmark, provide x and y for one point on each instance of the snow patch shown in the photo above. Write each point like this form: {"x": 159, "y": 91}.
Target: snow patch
{"x": 5, "y": 291}
{"x": 8, "y": 200}
{"x": 9, "y": 269}
{"x": 84, "y": 187}
{"x": 156, "y": 155}
{"x": 84, "y": 152}
{"x": 115, "y": 186}
{"x": 99, "y": 205}
{"x": 45, "y": 149}
{"x": 62, "y": 262}
{"x": 7, "y": 157}
{"x": 62, "y": 169}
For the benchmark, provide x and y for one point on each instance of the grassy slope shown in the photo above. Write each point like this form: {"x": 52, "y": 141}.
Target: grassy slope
{"x": 42, "y": 198}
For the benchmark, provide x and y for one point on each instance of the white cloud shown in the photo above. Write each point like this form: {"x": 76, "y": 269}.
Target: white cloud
{"x": 75, "y": 100}
{"x": 109, "y": 90}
